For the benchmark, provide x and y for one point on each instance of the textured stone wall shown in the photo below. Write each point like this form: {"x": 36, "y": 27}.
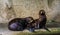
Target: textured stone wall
{"x": 26, "y": 8}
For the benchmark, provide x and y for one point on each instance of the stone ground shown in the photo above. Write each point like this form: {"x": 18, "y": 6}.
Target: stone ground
{"x": 4, "y": 30}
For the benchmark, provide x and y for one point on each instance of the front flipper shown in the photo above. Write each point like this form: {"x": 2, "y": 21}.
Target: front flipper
{"x": 31, "y": 29}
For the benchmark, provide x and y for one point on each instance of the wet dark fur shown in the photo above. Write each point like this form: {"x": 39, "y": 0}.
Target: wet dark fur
{"x": 21, "y": 22}
{"x": 41, "y": 21}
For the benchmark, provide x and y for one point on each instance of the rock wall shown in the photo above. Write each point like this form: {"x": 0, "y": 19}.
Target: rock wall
{"x": 23, "y": 8}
